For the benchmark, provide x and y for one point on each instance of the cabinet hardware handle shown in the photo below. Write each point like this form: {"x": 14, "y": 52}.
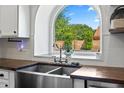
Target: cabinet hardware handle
{"x": 14, "y": 32}
{"x": 6, "y": 85}
{"x": 1, "y": 75}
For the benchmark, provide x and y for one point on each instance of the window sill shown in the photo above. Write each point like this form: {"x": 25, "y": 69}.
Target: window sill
{"x": 95, "y": 56}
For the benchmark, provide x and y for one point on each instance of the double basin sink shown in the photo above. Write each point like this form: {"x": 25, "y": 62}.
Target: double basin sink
{"x": 45, "y": 76}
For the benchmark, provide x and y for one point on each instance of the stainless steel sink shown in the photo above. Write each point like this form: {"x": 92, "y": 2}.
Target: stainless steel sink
{"x": 63, "y": 71}
{"x": 45, "y": 76}
{"x": 40, "y": 68}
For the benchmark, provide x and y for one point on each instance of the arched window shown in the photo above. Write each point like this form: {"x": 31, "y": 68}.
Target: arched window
{"x": 76, "y": 27}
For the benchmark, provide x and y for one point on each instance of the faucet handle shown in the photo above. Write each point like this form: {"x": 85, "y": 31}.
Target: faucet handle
{"x": 55, "y": 60}
{"x": 66, "y": 60}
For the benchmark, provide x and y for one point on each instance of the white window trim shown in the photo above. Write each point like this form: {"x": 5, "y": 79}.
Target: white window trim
{"x": 95, "y": 55}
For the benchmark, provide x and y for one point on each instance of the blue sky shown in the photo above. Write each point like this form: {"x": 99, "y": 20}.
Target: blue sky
{"x": 82, "y": 14}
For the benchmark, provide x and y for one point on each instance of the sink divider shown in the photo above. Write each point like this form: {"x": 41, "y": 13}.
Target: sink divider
{"x": 53, "y": 70}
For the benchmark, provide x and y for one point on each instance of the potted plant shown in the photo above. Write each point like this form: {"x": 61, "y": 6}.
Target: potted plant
{"x": 68, "y": 38}
{"x": 59, "y": 39}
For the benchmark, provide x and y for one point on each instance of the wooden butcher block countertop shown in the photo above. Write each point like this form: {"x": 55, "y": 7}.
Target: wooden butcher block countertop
{"x": 12, "y": 64}
{"x": 99, "y": 73}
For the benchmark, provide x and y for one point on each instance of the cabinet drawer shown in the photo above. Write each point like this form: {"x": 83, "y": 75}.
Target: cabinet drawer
{"x": 98, "y": 84}
{"x": 4, "y": 74}
{"x": 4, "y": 83}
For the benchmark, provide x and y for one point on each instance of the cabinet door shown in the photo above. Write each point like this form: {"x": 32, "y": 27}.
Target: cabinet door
{"x": 78, "y": 83}
{"x": 24, "y": 21}
{"x": 7, "y": 78}
{"x": 8, "y": 20}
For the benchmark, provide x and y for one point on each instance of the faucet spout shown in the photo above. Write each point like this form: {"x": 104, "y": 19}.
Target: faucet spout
{"x": 60, "y": 55}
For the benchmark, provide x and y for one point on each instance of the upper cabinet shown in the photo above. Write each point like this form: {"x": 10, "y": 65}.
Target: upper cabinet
{"x": 117, "y": 20}
{"x": 14, "y": 21}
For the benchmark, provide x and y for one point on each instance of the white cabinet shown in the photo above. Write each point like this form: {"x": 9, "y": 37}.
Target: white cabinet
{"x": 14, "y": 21}
{"x": 7, "y": 79}
{"x": 78, "y": 83}
{"x": 8, "y": 20}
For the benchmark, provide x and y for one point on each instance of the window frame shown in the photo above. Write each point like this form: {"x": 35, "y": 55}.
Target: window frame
{"x": 58, "y": 10}
{"x": 51, "y": 36}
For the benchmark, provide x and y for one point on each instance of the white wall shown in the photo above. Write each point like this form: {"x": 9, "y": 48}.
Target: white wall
{"x": 42, "y": 28}
{"x": 113, "y": 44}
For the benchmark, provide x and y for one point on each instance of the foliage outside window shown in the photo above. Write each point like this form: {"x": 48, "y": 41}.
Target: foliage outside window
{"x": 76, "y": 36}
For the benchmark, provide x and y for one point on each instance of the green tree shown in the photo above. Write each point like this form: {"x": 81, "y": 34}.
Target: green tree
{"x": 88, "y": 35}
{"x": 68, "y": 32}
{"x": 77, "y": 30}
{"x": 61, "y": 25}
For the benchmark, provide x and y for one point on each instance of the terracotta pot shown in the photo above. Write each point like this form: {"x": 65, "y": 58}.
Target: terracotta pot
{"x": 96, "y": 46}
{"x": 77, "y": 44}
{"x": 60, "y": 44}
{"x": 97, "y": 34}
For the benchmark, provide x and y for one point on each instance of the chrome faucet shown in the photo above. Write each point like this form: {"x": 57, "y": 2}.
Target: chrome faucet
{"x": 60, "y": 56}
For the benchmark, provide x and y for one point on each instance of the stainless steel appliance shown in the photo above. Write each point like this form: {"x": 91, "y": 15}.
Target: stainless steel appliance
{"x": 45, "y": 76}
{"x": 98, "y": 84}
